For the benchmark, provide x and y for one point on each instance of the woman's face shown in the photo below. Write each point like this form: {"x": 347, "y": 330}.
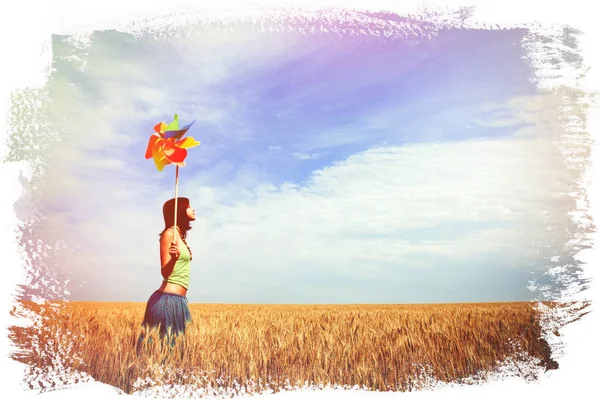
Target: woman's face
{"x": 191, "y": 213}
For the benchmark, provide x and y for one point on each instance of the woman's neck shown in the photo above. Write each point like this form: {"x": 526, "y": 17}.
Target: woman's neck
{"x": 182, "y": 232}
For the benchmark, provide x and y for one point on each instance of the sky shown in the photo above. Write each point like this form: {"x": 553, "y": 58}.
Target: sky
{"x": 332, "y": 169}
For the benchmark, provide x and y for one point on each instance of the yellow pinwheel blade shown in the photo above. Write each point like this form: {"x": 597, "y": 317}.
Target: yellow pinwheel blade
{"x": 188, "y": 143}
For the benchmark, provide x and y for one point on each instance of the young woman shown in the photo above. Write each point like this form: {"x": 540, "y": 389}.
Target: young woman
{"x": 167, "y": 309}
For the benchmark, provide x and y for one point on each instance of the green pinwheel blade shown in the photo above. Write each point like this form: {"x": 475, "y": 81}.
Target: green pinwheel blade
{"x": 174, "y": 125}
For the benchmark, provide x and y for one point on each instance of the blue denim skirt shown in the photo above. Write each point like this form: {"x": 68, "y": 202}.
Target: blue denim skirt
{"x": 169, "y": 313}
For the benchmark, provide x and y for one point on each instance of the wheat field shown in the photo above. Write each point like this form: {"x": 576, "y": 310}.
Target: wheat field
{"x": 251, "y": 348}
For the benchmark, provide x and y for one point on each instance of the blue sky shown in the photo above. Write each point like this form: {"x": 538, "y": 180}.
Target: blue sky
{"x": 331, "y": 169}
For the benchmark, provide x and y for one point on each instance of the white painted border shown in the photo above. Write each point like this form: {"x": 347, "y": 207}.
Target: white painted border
{"x": 24, "y": 36}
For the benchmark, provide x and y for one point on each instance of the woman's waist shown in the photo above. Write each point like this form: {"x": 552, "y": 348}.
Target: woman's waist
{"x": 172, "y": 288}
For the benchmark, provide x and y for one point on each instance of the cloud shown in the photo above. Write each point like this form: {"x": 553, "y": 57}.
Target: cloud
{"x": 526, "y": 115}
{"x": 388, "y": 212}
{"x": 306, "y": 156}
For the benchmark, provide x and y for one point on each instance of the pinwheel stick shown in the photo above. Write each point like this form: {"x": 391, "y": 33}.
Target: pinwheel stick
{"x": 176, "y": 195}
{"x": 166, "y": 146}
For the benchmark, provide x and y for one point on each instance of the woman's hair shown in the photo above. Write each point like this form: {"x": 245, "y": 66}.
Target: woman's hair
{"x": 183, "y": 222}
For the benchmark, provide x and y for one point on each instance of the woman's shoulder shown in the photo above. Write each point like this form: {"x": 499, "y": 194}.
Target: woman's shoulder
{"x": 167, "y": 233}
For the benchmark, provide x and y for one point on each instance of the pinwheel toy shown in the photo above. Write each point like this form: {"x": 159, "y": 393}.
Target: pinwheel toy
{"x": 167, "y": 146}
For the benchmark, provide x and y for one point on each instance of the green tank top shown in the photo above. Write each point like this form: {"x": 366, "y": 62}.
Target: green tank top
{"x": 181, "y": 270}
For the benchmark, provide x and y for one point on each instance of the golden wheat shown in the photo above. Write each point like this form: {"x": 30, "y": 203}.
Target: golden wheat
{"x": 254, "y": 347}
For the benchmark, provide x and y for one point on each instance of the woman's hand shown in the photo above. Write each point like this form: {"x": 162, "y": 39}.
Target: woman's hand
{"x": 174, "y": 251}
